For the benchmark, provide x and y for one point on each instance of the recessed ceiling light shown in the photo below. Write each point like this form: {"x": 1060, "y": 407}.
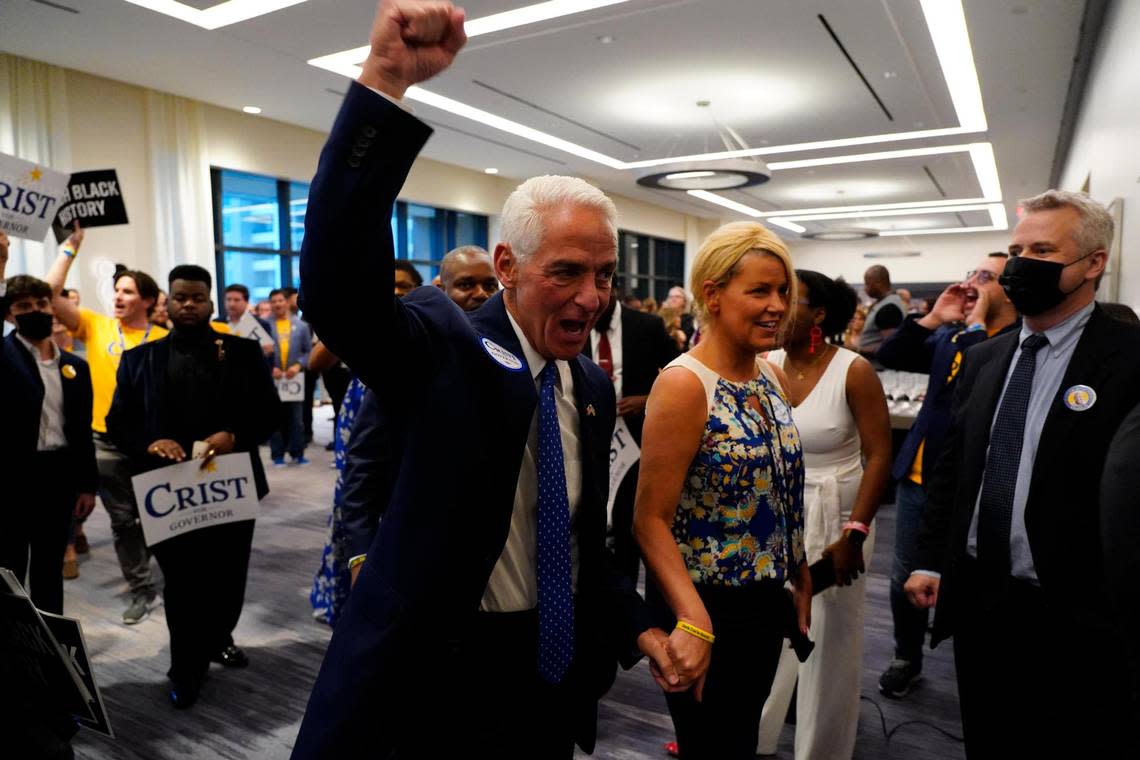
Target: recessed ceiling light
{"x": 722, "y": 175}
{"x": 251, "y": 109}
{"x": 490, "y": 170}
{"x": 845, "y": 234}
{"x": 216, "y": 16}
{"x": 606, "y": 39}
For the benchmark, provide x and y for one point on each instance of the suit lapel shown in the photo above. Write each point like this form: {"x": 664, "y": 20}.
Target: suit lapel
{"x": 1090, "y": 365}
{"x": 26, "y": 364}
{"x": 491, "y": 322}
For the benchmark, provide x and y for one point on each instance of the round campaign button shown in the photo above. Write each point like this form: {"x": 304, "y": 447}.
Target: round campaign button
{"x": 1080, "y": 398}
{"x": 67, "y": 371}
{"x": 501, "y": 355}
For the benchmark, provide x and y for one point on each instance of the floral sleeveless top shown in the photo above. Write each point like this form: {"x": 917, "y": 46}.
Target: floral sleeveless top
{"x": 741, "y": 519}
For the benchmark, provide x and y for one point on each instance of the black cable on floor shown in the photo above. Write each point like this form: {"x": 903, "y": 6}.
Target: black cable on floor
{"x": 887, "y": 734}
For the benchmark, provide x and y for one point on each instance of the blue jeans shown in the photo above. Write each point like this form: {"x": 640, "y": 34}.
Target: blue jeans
{"x": 290, "y": 434}
{"x": 910, "y": 622}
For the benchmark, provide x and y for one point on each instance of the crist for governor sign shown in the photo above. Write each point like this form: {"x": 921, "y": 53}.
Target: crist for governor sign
{"x": 183, "y": 497}
{"x": 30, "y": 197}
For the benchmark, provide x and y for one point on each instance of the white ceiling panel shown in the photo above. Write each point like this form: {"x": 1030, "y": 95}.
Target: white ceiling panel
{"x": 625, "y": 80}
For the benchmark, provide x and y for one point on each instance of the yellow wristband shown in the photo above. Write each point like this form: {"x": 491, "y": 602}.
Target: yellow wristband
{"x": 69, "y": 252}
{"x": 700, "y": 633}
{"x": 357, "y": 560}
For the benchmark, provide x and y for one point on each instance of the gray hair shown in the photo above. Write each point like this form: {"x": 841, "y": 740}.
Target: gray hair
{"x": 1095, "y": 227}
{"x": 523, "y": 220}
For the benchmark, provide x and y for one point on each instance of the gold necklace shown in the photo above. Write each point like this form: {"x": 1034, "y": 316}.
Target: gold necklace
{"x": 812, "y": 363}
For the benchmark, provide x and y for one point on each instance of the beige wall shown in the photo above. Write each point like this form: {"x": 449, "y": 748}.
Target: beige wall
{"x": 1103, "y": 150}
{"x": 944, "y": 258}
{"x": 108, "y": 129}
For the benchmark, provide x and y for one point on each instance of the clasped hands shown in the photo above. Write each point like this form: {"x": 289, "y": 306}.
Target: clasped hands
{"x": 219, "y": 443}
{"x": 678, "y": 661}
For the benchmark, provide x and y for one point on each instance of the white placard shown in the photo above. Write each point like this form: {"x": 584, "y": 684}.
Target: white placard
{"x": 624, "y": 453}
{"x": 30, "y": 197}
{"x": 291, "y": 388}
{"x": 183, "y": 497}
{"x": 249, "y": 327}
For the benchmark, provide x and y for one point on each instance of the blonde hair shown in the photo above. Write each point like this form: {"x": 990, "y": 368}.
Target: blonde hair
{"x": 720, "y": 257}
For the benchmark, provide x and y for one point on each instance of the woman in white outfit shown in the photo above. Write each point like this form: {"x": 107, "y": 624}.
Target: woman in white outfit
{"x": 844, "y": 425}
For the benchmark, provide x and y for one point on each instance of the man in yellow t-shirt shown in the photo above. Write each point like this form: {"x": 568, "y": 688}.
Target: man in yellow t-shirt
{"x": 106, "y": 338}
{"x": 292, "y": 343}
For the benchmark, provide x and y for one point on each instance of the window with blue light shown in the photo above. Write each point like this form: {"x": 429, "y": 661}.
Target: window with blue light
{"x": 259, "y": 226}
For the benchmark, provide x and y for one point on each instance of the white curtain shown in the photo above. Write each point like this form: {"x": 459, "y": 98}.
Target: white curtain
{"x": 180, "y": 183}
{"x": 33, "y": 126}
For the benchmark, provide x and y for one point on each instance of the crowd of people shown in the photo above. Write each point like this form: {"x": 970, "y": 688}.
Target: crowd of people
{"x": 765, "y": 453}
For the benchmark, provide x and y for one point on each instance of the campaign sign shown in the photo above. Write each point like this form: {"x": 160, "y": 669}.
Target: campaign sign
{"x": 30, "y": 196}
{"x": 291, "y": 388}
{"x": 69, "y": 634}
{"x": 30, "y": 658}
{"x": 183, "y": 497}
{"x": 94, "y": 199}
{"x": 624, "y": 453}
{"x": 249, "y": 327}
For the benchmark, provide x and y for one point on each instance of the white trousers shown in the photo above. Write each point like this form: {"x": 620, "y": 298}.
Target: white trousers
{"x": 827, "y": 703}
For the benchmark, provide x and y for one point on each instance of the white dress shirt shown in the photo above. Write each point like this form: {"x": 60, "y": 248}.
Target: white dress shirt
{"x": 512, "y": 586}
{"x": 51, "y": 411}
{"x": 614, "y": 334}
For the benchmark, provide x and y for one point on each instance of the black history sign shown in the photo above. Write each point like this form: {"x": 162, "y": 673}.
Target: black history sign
{"x": 94, "y": 199}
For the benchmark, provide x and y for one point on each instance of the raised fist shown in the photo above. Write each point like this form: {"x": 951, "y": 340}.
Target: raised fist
{"x": 411, "y": 41}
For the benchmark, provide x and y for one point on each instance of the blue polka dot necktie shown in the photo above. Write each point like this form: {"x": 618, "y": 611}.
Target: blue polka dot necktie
{"x": 995, "y": 511}
{"x": 555, "y": 602}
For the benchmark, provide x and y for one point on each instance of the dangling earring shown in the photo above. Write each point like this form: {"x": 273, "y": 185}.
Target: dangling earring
{"x": 816, "y": 338}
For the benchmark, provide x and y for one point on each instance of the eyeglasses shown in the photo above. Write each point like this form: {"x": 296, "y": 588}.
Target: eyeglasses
{"x": 984, "y": 276}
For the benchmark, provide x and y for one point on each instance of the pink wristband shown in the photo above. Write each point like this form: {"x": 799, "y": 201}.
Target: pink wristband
{"x": 853, "y": 525}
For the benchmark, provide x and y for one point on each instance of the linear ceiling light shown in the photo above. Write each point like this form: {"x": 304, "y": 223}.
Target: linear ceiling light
{"x": 952, "y": 46}
{"x": 347, "y": 62}
{"x": 799, "y": 229}
{"x": 996, "y": 211}
{"x": 947, "y": 25}
{"x": 216, "y": 16}
{"x": 981, "y": 155}
{"x": 857, "y": 158}
{"x": 740, "y": 208}
{"x": 888, "y": 212}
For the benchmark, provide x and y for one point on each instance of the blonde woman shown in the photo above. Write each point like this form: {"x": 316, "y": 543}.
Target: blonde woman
{"x": 719, "y": 511}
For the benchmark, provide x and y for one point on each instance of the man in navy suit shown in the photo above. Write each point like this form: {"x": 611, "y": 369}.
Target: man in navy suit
{"x": 46, "y": 453}
{"x": 488, "y": 616}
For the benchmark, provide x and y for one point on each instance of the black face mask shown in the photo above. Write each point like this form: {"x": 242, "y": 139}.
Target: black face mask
{"x": 34, "y": 325}
{"x": 1034, "y": 285}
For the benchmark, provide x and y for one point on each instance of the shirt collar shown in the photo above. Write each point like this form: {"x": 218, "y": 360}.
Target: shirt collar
{"x": 535, "y": 360}
{"x": 1062, "y": 335}
{"x": 615, "y": 320}
{"x": 35, "y": 352}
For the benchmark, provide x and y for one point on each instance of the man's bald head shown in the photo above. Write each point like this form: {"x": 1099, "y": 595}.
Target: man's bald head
{"x": 467, "y": 276}
{"x": 877, "y": 281}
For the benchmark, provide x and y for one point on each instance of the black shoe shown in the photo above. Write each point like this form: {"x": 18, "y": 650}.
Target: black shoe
{"x": 184, "y": 695}
{"x": 898, "y": 679}
{"x": 231, "y": 657}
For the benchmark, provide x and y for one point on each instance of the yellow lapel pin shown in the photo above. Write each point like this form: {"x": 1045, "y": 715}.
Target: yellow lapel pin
{"x": 68, "y": 371}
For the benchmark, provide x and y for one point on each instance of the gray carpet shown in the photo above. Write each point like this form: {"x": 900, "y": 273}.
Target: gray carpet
{"x": 254, "y": 713}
